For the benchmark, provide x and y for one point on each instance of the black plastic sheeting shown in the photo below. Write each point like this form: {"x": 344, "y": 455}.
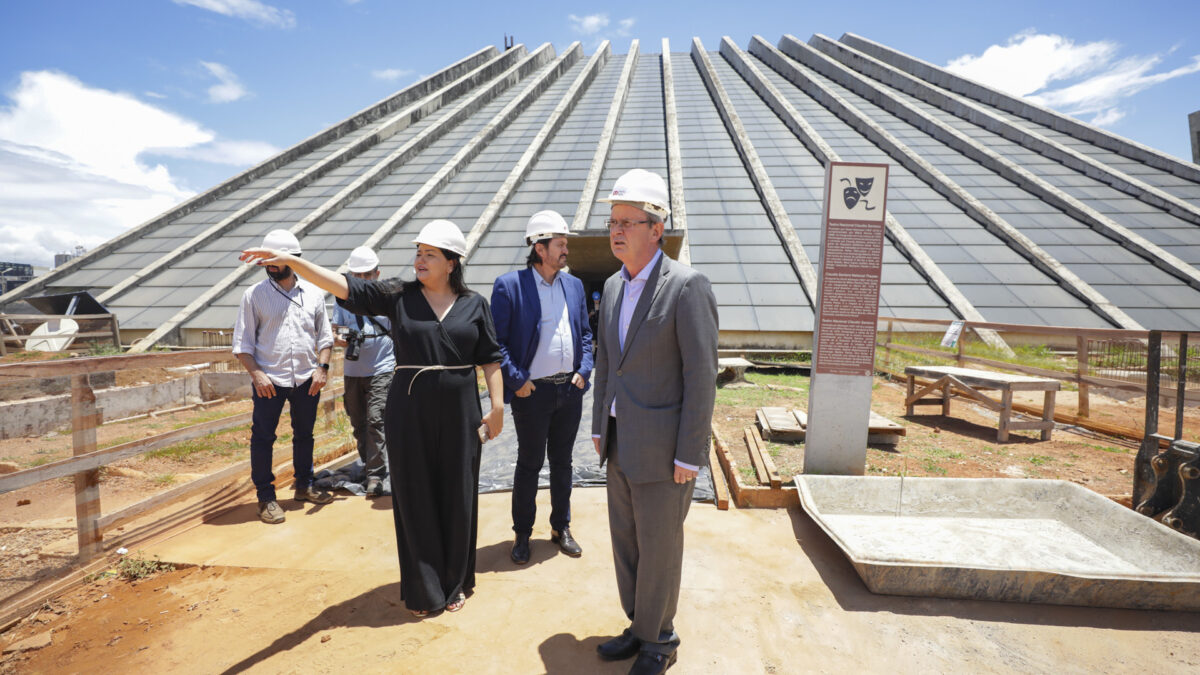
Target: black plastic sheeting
{"x": 499, "y": 460}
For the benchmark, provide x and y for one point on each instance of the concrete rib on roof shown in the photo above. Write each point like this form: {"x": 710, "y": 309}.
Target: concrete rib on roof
{"x": 998, "y": 209}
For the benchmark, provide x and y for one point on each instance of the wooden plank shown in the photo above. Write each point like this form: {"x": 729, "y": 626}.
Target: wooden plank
{"x": 720, "y": 489}
{"x": 125, "y": 515}
{"x": 102, "y": 364}
{"x": 729, "y": 465}
{"x": 87, "y": 483}
{"x": 878, "y": 424}
{"x": 983, "y": 378}
{"x": 778, "y": 424}
{"x": 99, "y": 458}
{"x": 1069, "y": 331}
{"x": 1005, "y": 415}
{"x": 47, "y": 317}
{"x": 98, "y": 333}
{"x": 760, "y": 469}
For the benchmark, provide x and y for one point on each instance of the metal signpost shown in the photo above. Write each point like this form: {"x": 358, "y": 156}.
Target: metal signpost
{"x": 839, "y": 402}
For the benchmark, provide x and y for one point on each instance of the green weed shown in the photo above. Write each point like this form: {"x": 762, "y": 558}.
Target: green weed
{"x": 1040, "y": 460}
{"x": 135, "y": 568}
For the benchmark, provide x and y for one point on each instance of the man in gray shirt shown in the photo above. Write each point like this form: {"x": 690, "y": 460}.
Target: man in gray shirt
{"x": 283, "y": 339}
{"x": 368, "y": 375}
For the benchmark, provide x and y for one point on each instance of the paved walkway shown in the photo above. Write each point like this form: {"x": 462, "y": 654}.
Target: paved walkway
{"x": 763, "y": 591}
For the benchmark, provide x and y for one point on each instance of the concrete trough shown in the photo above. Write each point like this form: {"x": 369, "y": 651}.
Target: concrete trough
{"x": 1044, "y": 541}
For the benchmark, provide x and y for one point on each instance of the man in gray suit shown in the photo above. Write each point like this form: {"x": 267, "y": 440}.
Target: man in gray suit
{"x": 655, "y": 376}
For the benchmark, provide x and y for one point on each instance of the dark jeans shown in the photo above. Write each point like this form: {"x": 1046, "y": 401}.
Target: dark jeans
{"x": 262, "y": 436}
{"x": 546, "y": 422}
{"x": 366, "y": 398}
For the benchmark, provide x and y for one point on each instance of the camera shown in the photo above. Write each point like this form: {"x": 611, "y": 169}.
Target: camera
{"x": 354, "y": 341}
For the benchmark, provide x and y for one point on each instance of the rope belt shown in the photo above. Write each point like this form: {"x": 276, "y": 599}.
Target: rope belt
{"x": 421, "y": 369}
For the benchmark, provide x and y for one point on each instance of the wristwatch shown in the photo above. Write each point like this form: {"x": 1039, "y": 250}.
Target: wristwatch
{"x": 324, "y": 365}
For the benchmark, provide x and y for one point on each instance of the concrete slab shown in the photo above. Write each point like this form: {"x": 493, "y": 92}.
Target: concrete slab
{"x": 999, "y": 539}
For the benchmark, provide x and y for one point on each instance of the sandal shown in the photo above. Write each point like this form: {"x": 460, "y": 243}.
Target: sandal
{"x": 457, "y": 603}
{"x": 419, "y": 613}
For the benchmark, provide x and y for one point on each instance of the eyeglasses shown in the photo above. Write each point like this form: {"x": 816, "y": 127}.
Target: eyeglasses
{"x": 622, "y": 225}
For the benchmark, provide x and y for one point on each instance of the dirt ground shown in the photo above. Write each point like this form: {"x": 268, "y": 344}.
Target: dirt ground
{"x": 964, "y": 444}
{"x": 764, "y": 591}
{"x": 174, "y": 618}
{"x": 37, "y": 523}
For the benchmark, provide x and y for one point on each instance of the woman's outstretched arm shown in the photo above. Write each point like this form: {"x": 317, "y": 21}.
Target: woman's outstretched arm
{"x": 325, "y": 279}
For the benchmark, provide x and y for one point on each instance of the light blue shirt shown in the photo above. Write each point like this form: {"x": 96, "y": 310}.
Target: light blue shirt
{"x": 376, "y": 356}
{"x": 555, "y": 350}
{"x": 283, "y": 331}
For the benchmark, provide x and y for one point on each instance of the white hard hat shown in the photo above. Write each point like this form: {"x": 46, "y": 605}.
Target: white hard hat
{"x": 443, "y": 234}
{"x": 362, "y": 259}
{"x": 282, "y": 240}
{"x": 545, "y": 224}
{"x": 644, "y": 189}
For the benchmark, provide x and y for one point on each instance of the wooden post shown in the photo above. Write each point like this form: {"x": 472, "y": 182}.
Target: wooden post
{"x": 1048, "y": 414}
{"x": 1143, "y": 473}
{"x": 1181, "y": 385}
{"x": 1082, "y": 408}
{"x": 887, "y": 347}
{"x": 962, "y": 338}
{"x": 911, "y": 388}
{"x": 116, "y": 331}
{"x": 87, "y": 483}
{"x": 1005, "y": 414}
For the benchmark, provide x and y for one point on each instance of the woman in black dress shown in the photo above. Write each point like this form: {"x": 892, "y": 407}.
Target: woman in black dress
{"x": 441, "y": 331}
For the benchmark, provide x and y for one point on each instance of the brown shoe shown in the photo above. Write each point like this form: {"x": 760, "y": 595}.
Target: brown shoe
{"x": 270, "y": 512}
{"x": 310, "y": 494}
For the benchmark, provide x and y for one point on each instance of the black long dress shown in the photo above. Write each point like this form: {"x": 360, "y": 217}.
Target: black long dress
{"x": 433, "y": 445}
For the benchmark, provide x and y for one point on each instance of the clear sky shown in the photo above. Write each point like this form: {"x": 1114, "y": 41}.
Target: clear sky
{"x": 113, "y": 111}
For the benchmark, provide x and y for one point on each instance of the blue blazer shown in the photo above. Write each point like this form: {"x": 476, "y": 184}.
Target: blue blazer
{"x": 516, "y": 311}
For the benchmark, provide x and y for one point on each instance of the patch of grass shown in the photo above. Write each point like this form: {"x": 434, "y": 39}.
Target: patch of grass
{"x": 97, "y": 348}
{"x": 199, "y": 419}
{"x": 760, "y": 395}
{"x": 284, "y": 437}
{"x": 1040, "y": 460}
{"x": 38, "y": 461}
{"x": 163, "y": 479}
{"x": 748, "y": 475}
{"x": 933, "y": 467}
{"x": 135, "y": 567}
{"x": 943, "y": 452}
{"x": 186, "y": 449}
{"x": 119, "y": 440}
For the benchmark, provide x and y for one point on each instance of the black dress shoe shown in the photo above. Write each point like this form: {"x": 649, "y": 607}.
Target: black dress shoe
{"x": 566, "y": 542}
{"x": 652, "y": 663}
{"x": 520, "y": 550}
{"x": 619, "y": 648}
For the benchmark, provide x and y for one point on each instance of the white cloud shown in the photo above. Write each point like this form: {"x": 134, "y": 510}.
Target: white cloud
{"x": 626, "y": 25}
{"x": 1107, "y": 117}
{"x": 1088, "y": 79}
{"x": 228, "y": 88}
{"x": 588, "y": 25}
{"x": 1126, "y": 78}
{"x": 390, "y": 74}
{"x": 1028, "y": 62}
{"x": 153, "y": 94}
{"x": 250, "y": 10}
{"x": 74, "y": 168}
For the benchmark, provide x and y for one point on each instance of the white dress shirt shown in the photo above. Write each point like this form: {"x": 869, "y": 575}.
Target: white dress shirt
{"x": 555, "y": 350}
{"x": 283, "y": 330}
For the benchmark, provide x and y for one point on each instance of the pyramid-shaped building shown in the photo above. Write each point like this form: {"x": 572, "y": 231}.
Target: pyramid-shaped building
{"x": 999, "y": 210}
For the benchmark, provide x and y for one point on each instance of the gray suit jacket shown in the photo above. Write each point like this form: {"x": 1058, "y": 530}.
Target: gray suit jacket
{"x": 664, "y": 381}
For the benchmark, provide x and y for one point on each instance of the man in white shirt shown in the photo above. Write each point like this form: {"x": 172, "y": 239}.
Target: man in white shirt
{"x": 546, "y": 342}
{"x": 283, "y": 339}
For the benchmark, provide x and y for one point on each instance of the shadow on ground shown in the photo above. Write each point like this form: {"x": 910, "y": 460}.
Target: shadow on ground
{"x": 376, "y": 608}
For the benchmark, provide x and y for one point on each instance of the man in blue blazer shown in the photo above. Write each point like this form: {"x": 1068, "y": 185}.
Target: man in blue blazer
{"x": 546, "y": 341}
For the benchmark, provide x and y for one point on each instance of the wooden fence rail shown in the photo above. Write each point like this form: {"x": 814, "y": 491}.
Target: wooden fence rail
{"x": 1080, "y": 376}
{"x": 86, "y": 461}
